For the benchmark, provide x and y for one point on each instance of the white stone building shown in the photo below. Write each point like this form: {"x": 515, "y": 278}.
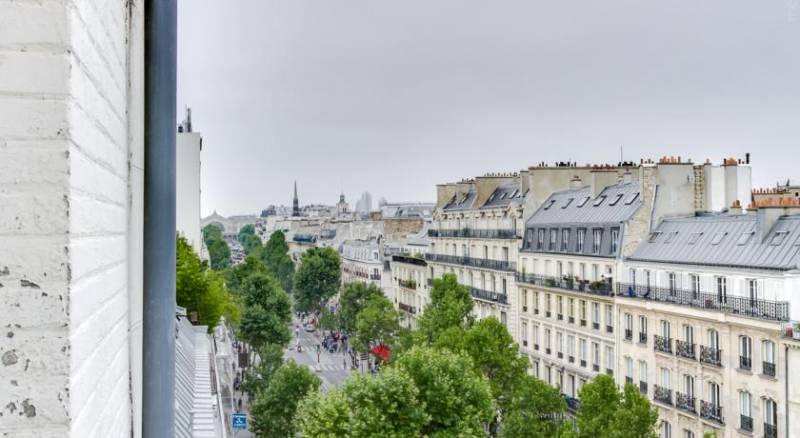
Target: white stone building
{"x": 362, "y": 261}
{"x": 188, "y": 146}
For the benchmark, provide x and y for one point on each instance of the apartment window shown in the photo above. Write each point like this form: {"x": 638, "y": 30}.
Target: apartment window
{"x": 582, "y": 349}
{"x": 524, "y": 300}
{"x": 629, "y": 370}
{"x": 713, "y": 339}
{"x": 553, "y": 238}
{"x": 596, "y": 236}
{"x": 722, "y": 289}
{"x": 694, "y": 281}
{"x": 666, "y": 429}
{"x": 560, "y": 305}
{"x": 536, "y": 335}
{"x": 672, "y": 282}
{"x": 770, "y": 412}
{"x": 559, "y": 269}
{"x": 752, "y": 288}
{"x": 643, "y": 372}
{"x": 768, "y": 354}
{"x": 583, "y": 310}
{"x": 524, "y": 334}
{"x": 614, "y": 240}
{"x": 609, "y": 358}
{"x": 547, "y": 306}
{"x": 745, "y": 352}
{"x": 564, "y": 239}
{"x": 665, "y": 329}
{"x": 581, "y": 239}
{"x": 688, "y": 333}
{"x": 596, "y": 313}
{"x": 547, "y": 339}
{"x": 582, "y": 271}
{"x": 713, "y": 393}
{"x": 485, "y": 251}
{"x": 632, "y": 277}
{"x": 688, "y": 385}
{"x": 571, "y": 309}
{"x": 628, "y": 326}
{"x": 571, "y": 347}
{"x": 665, "y": 378}
{"x": 560, "y": 343}
{"x": 647, "y": 279}
{"x": 540, "y": 238}
{"x": 596, "y": 354}
{"x": 595, "y": 273}
{"x": 688, "y": 433}
{"x": 746, "y": 410}
{"x": 504, "y": 253}
{"x": 642, "y": 328}
{"x": 609, "y": 316}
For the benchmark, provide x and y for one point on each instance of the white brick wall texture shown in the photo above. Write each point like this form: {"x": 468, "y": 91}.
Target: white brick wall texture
{"x": 70, "y": 221}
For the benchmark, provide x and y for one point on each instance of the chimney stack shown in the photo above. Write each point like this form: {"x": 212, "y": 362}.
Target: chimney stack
{"x": 575, "y": 182}
{"x": 736, "y": 208}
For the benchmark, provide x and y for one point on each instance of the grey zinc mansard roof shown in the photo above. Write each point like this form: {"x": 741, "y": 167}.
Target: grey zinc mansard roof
{"x": 503, "y": 195}
{"x": 733, "y": 250}
{"x": 462, "y": 202}
{"x": 558, "y": 209}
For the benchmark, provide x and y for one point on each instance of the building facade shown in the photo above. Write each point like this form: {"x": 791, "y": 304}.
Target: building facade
{"x": 362, "y": 261}
{"x": 188, "y": 146}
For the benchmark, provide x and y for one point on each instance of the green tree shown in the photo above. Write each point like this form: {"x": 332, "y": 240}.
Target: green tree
{"x": 450, "y": 305}
{"x": 457, "y": 399}
{"x": 534, "y": 410}
{"x": 257, "y": 377}
{"x": 607, "y": 412}
{"x": 249, "y": 240}
{"x": 275, "y": 254}
{"x": 317, "y": 279}
{"x": 352, "y": 299}
{"x": 274, "y": 409}
{"x": 201, "y": 291}
{"x": 267, "y": 312}
{"x": 367, "y": 406}
{"x": 218, "y": 251}
{"x": 378, "y": 321}
{"x": 236, "y": 275}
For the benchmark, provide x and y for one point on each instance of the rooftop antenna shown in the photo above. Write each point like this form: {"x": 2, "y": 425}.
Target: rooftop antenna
{"x": 620, "y": 154}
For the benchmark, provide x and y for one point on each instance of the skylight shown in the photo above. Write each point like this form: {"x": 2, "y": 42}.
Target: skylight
{"x": 777, "y": 239}
{"x": 549, "y": 204}
{"x": 694, "y": 237}
{"x": 599, "y": 200}
{"x": 504, "y": 195}
{"x": 671, "y": 236}
{"x": 632, "y": 198}
{"x": 718, "y": 238}
{"x": 654, "y": 236}
{"x": 616, "y": 199}
{"x": 569, "y": 201}
{"x": 745, "y": 237}
{"x": 584, "y": 201}
{"x": 515, "y": 193}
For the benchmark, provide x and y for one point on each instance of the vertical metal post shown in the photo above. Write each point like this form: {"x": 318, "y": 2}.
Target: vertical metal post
{"x": 158, "y": 403}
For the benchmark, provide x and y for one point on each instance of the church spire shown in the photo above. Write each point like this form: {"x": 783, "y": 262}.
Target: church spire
{"x": 295, "y": 202}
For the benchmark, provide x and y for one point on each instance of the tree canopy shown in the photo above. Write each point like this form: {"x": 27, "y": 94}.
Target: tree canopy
{"x": 200, "y": 290}
{"x": 378, "y": 322}
{"x": 275, "y": 255}
{"x": 317, "y": 279}
{"x": 274, "y": 409}
{"x": 534, "y": 410}
{"x": 450, "y": 306}
{"x": 267, "y": 312}
{"x": 607, "y": 412}
{"x": 218, "y": 251}
{"x": 352, "y": 299}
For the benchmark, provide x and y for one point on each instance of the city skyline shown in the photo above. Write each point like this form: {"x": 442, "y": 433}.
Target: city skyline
{"x": 505, "y": 87}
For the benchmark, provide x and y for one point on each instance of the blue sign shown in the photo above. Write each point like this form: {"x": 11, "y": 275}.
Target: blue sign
{"x": 239, "y": 421}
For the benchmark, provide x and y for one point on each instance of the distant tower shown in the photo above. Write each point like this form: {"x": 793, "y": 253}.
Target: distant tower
{"x": 295, "y": 203}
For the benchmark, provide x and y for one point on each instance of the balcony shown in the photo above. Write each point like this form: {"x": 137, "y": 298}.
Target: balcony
{"x": 407, "y": 308}
{"x": 685, "y": 349}
{"x": 583, "y": 363}
{"x": 662, "y": 395}
{"x": 560, "y": 317}
{"x": 711, "y": 412}
{"x": 770, "y": 430}
{"x": 486, "y": 295}
{"x": 643, "y": 338}
{"x": 746, "y": 423}
{"x": 760, "y": 308}
{"x": 497, "y": 265}
{"x": 685, "y": 402}
{"x": 609, "y": 329}
{"x": 583, "y": 323}
{"x": 408, "y": 284}
{"x": 547, "y": 350}
{"x": 573, "y": 284}
{"x": 473, "y": 233}
{"x": 628, "y": 334}
{"x": 596, "y": 367}
{"x": 560, "y": 355}
{"x": 768, "y": 369}
{"x": 745, "y": 363}
{"x": 710, "y": 356}
{"x": 571, "y": 359}
{"x": 409, "y": 260}
{"x": 572, "y": 320}
{"x": 662, "y": 344}
{"x": 536, "y": 347}
{"x": 573, "y": 404}
{"x": 643, "y": 387}
{"x": 628, "y": 380}
{"x": 375, "y": 277}
{"x": 430, "y": 282}
{"x": 596, "y": 325}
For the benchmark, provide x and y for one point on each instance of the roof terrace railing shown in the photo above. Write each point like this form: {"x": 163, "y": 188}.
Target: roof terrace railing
{"x": 474, "y": 233}
{"x": 486, "y": 295}
{"x": 409, "y": 260}
{"x": 752, "y": 307}
{"x": 600, "y": 287}
{"x": 498, "y": 265}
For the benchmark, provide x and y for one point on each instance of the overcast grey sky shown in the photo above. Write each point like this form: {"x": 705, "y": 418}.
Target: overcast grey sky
{"x": 395, "y": 97}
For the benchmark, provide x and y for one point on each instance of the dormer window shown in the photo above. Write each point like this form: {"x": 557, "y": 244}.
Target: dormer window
{"x": 671, "y": 236}
{"x": 745, "y": 238}
{"x": 718, "y": 238}
{"x": 654, "y": 236}
{"x": 616, "y": 199}
{"x": 584, "y": 201}
{"x": 694, "y": 237}
{"x": 569, "y": 201}
{"x": 503, "y": 196}
{"x": 778, "y": 238}
{"x": 549, "y": 204}
{"x": 632, "y": 198}
{"x": 599, "y": 200}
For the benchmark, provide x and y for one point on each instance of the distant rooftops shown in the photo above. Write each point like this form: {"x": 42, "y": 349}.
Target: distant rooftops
{"x": 724, "y": 240}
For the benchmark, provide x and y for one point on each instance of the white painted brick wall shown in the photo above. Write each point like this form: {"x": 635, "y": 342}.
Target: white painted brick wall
{"x": 70, "y": 221}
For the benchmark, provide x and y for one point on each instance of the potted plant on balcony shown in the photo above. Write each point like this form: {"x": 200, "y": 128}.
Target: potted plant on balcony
{"x": 597, "y": 285}
{"x": 549, "y": 282}
{"x": 568, "y": 281}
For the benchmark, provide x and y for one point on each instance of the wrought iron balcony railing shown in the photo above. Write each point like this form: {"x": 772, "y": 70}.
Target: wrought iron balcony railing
{"x": 409, "y": 260}
{"x": 643, "y": 387}
{"x": 758, "y": 308}
{"x": 408, "y": 308}
{"x": 497, "y": 265}
{"x": 685, "y": 402}
{"x": 643, "y": 338}
{"x": 474, "y": 233}
{"x": 662, "y": 344}
{"x": 711, "y": 356}
{"x": 573, "y": 404}
{"x": 603, "y": 288}
{"x": 486, "y": 295}
{"x": 745, "y": 363}
{"x": 662, "y": 394}
{"x": 711, "y": 411}
{"x": 408, "y": 284}
{"x": 768, "y": 369}
{"x": 685, "y": 349}
{"x": 770, "y": 430}
{"x": 628, "y": 334}
{"x": 746, "y": 423}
